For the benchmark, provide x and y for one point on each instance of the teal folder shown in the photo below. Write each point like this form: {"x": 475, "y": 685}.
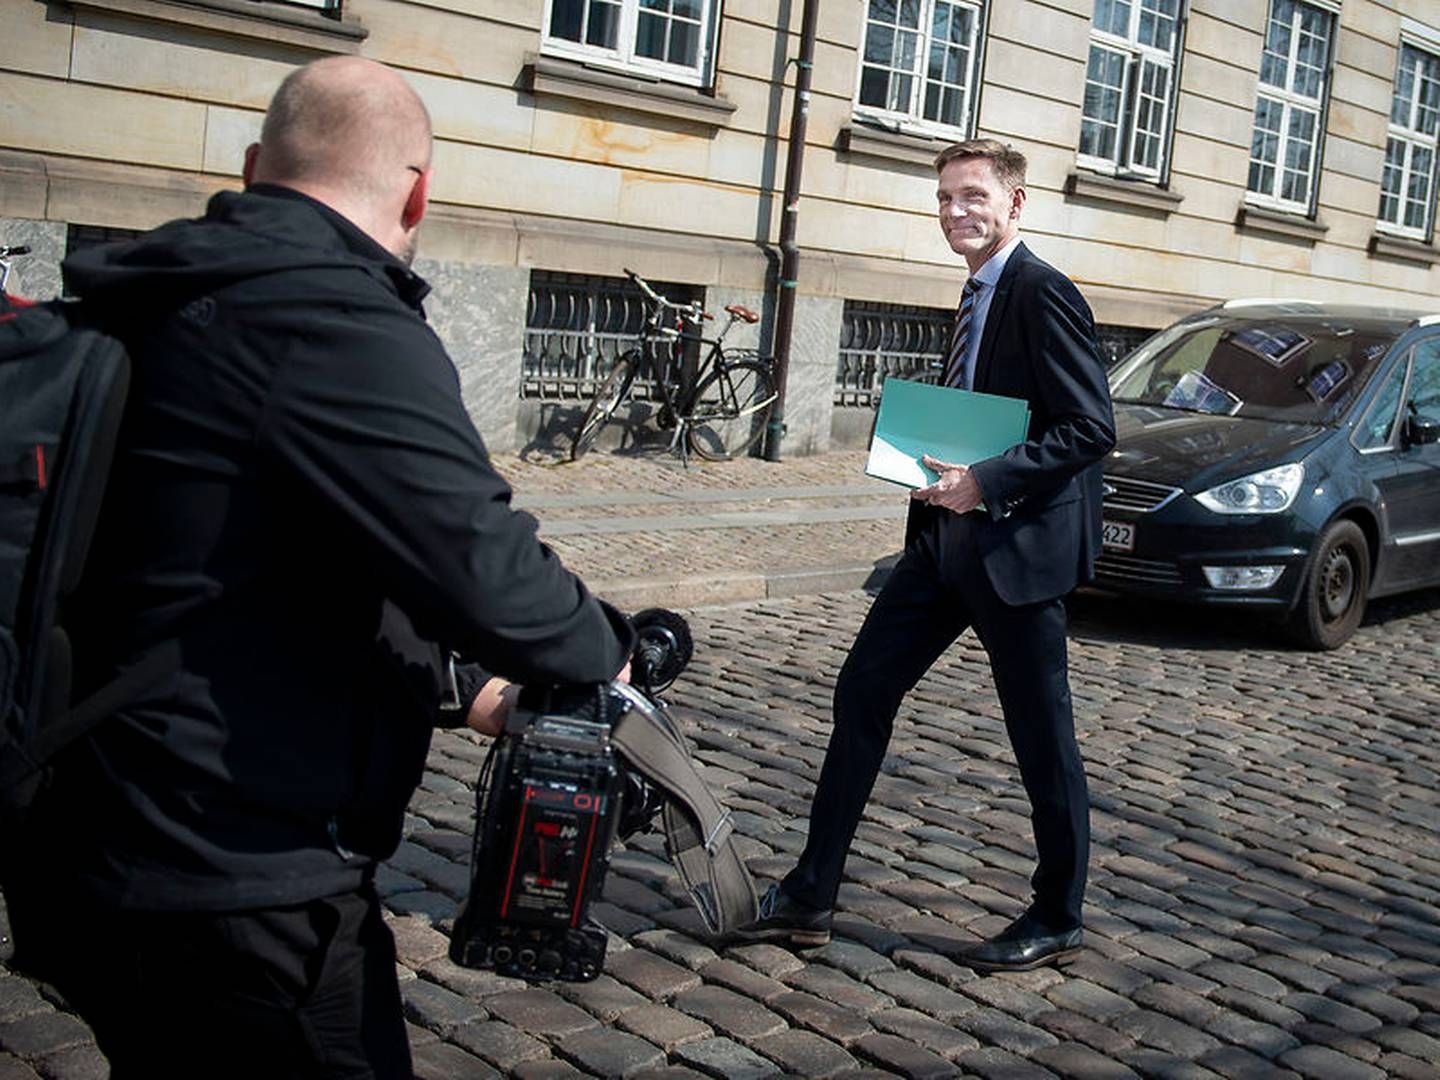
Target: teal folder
{"x": 959, "y": 426}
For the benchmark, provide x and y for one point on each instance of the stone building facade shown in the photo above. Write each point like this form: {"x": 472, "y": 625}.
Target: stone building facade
{"x": 1181, "y": 152}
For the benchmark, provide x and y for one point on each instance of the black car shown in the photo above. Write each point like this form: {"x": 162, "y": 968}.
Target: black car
{"x": 1278, "y": 456}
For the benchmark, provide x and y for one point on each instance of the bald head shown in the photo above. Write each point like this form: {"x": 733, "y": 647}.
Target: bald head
{"x": 353, "y": 134}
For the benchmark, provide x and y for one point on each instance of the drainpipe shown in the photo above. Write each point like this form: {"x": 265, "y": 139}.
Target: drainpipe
{"x": 789, "y": 251}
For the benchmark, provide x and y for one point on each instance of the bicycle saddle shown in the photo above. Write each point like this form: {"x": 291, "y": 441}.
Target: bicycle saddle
{"x": 740, "y": 311}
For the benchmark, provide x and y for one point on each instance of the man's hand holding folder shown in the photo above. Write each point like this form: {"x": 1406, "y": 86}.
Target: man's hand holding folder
{"x": 955, "y": 490}
{"x": 926, "y": 437}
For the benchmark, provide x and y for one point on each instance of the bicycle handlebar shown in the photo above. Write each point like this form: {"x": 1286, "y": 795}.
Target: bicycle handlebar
{"x": 644, "y": 286}
{"x": 691, "y": 311}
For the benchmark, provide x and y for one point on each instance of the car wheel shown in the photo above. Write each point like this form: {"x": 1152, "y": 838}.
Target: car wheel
{"x": 1337, "y": 582}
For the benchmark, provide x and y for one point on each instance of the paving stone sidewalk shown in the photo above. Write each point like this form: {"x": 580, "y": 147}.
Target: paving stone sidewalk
{"x": 1265, "y": 887}
{"x": 647, "y": 529}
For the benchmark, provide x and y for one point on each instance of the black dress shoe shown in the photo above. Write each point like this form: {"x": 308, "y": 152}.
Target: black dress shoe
{"x": 1022, "y": 946}
{"x": 783, "y": 919}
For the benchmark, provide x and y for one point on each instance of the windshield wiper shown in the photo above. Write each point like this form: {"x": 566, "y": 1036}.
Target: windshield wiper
{"x": 1153, "y": 404}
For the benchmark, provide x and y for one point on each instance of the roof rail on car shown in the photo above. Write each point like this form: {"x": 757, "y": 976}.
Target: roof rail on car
{"x": 1262, "y": 301}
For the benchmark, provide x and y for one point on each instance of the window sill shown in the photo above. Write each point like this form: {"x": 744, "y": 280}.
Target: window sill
{"x": 1260, "y": 219}
{"x": 545, "y": 75}
{"x": 911, "y": 149}
{"x": 1129, "y": 194}
{"x": 273, "y": 23}
{"x": 1403, "y": 249}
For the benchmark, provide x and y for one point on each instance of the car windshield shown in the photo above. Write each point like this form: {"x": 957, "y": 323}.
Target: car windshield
{"x": 1299, "y": 368}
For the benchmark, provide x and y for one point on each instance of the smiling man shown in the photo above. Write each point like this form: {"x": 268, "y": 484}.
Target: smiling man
{"x": 1021, "y": 330}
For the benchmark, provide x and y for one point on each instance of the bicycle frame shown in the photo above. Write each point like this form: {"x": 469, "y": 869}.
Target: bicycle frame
{"x": 675, "y": 383}
{"x": 733, "y": 390}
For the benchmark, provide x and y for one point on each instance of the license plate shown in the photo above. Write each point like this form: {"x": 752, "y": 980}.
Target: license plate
{"x": 1117, "y": 535}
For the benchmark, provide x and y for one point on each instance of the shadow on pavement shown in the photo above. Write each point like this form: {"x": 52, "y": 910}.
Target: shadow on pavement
{"x": 883, "y": 565}
{"x": 1112, "y": 617}
{"x": 631, "y": 431}
{"x": 1391, "y": 608}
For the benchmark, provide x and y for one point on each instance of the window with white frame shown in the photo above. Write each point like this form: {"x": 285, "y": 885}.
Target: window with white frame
{"x": 1130, "y": 86}
{"x": 1407, "y": 185}
{"x": 1294, "y": 78}
{"x": 666, "y": 39}
{"x": 919, "y": 64}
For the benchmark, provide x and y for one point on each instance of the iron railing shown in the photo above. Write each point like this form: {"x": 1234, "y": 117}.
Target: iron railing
{"x": 80, "y": 237}
{"x": 1117, "y": 342}
{"x": 575, "y": 326}
{"x": 880, "y": 341}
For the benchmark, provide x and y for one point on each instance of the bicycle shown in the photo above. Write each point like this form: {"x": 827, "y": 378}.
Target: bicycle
{"x": 719, "y": 409}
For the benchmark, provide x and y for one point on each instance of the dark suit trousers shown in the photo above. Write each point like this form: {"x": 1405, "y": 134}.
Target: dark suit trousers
{"x": 937, "y": 590}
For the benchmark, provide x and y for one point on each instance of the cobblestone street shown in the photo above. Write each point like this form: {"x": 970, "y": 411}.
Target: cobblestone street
{"x": 1264, "y": 898}
{"x": 1264, "y": 876}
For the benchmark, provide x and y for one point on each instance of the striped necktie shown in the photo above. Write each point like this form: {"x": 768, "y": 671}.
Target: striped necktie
{"x": 955, "y": 366}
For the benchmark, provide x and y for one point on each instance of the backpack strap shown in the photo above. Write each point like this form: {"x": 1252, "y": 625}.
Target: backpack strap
{"x": 699, "y": 832}
{"x": 153, "y": 664}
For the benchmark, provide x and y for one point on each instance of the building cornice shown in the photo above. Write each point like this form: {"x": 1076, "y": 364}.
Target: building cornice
{"x": 1403, "y": 249}
{"x": 1128, "y": 194}
{"x": 903, "y": 146}
{"x": 271, "y": 23}
{"x": 1260, "y": 219}
{"x": 548, "y": 76}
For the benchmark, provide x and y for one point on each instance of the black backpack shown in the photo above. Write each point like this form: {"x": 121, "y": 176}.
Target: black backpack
{"x": 62, "y": 395}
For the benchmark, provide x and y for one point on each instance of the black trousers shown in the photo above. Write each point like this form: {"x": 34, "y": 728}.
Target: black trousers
{"x": 292, "y": 992}
{"x": 937, "y": 590}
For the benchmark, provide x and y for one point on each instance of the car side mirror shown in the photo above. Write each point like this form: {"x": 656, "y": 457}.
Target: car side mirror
{"x": 1421, "y": 430}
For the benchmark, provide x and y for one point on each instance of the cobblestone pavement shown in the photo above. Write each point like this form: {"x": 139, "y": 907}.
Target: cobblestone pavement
{"x": 1265, "y": 879}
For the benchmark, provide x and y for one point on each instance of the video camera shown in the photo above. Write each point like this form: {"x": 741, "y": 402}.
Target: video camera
{"x": 553, "y": 796}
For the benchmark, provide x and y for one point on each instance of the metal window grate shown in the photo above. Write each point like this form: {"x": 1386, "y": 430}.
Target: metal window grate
{"x": 575, "y": 326}
{"x": 1117, "y": 342}
{"x": 80, "y": 237}
{"x": 880, "y": 341}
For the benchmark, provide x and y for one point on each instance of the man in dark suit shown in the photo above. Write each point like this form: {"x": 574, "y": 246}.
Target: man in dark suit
{"x": 995, "y": 546}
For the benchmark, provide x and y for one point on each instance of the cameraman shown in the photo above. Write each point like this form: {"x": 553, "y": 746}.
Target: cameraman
{"x": 295, "y": 455}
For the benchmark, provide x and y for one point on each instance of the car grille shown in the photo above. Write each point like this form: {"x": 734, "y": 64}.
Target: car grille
{"x": 1139, "y": 496}
{"x": 1130, "y": 570}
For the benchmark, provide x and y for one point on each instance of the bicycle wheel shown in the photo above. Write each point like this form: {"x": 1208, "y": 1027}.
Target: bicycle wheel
{"x": 608, "y": 395}
{"x": 667, "y": 370}
{"x": 730, "y": 409}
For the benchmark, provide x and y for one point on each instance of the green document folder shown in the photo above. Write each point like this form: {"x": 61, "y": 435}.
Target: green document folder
{"x": 959, "y": 426}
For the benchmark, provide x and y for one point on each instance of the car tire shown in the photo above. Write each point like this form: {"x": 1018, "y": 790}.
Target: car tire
{"x": 1337, "y": 582}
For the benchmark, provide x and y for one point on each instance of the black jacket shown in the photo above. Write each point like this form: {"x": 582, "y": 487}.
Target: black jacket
{"x": 295, "y": 454}
{"x": 1040, "y": 531}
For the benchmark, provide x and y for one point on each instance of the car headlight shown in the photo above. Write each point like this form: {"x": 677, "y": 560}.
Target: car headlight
{"x": 1267, "y": 492}
{"x": 1242, "y": 578}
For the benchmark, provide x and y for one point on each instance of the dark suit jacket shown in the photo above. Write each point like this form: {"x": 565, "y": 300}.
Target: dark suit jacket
{"x": 1040, "y": 530}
